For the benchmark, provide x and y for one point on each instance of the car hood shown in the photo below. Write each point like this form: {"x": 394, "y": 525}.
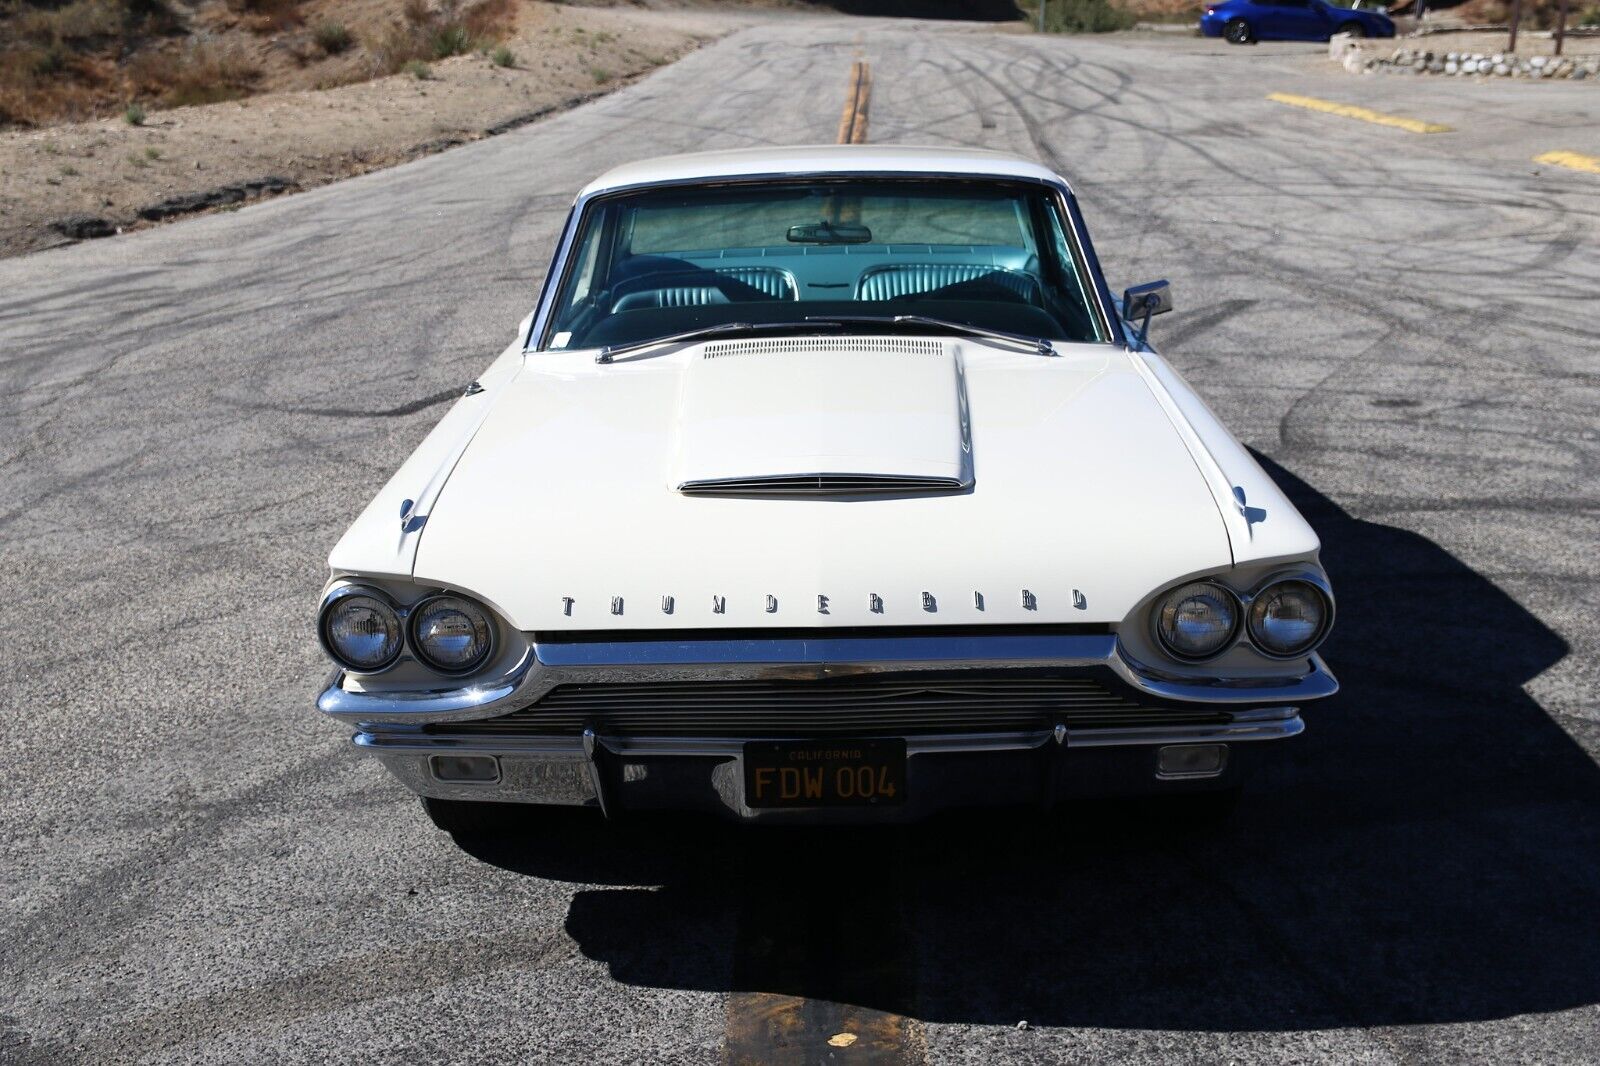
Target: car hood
{"x": 1074, "y": 499}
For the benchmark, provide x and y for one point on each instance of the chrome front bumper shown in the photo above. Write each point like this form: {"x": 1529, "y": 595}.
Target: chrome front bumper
{"x": 608, "y": 771}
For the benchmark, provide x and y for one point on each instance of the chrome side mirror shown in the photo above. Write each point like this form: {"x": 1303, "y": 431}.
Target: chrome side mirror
{"x": 1142, "y": 301}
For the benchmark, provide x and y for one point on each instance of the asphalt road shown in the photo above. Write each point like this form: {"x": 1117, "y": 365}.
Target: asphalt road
{"x": 196, "y": 868}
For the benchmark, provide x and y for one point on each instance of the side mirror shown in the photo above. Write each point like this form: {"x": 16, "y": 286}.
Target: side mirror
{"x": 1142, "y": 301}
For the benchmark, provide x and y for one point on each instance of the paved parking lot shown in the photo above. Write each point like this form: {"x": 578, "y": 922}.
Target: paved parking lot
{"x": 1402, "y": 325}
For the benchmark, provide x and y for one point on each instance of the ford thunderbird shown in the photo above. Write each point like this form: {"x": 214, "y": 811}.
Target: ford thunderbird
{"x": 825, "y": 484}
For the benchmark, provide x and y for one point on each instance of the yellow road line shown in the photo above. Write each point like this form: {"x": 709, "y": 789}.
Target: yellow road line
{"x": 853, "y": 122}
{"x": 1411, "y": 125}
{"x": 1571, "y": 160}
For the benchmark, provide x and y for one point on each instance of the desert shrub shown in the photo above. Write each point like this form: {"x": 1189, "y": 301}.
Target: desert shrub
{"x": 1083, "y": 16}
{"x": 503, "y": 57}
{"x": 451, "y": 30}
{"x": 600, "y": 75}
{"x": 489, "y": 20}
{"x": 267, "y": 16}
{"x": 418, "y": 69}
{"x": 133, "y": 115}
{"x": 1590, "y": 17}
{"x": 78, "y": 22}
{"x": 51, "y": 60}
{"x": 199, "y": 74}
{"x": 450, "y": 40}
{"x": 332, "y": 37}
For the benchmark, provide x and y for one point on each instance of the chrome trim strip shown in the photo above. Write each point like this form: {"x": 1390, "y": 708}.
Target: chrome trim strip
{"x": 481, "y": 699}
{"x": 1285, "y": 722}
{"x": 545, "y": 666}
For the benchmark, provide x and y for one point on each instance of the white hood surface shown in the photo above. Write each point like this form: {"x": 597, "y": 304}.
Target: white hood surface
{"x": 564, "y": 511}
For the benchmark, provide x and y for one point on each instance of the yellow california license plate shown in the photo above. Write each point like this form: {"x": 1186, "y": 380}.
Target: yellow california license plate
{"x": 824, "y": 773}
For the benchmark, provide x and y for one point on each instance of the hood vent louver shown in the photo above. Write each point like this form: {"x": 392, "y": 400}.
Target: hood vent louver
{"x": 798, "y": 345}
{"x": 821, "y": 485}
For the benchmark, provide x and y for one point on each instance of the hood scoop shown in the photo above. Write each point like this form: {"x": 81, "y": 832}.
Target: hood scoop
{"x": 821, "y": 485}
{"x": 823, "y": 416}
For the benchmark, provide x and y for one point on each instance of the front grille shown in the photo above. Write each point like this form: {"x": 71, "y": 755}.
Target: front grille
{"x": 894, "y": 705}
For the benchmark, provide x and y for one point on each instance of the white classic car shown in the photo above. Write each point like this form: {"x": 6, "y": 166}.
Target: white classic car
{"x": 824, "y": 483}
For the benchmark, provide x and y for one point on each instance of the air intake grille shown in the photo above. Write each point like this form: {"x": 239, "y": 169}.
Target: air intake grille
{"x": 819, "y": 485}
{"x": 895, "y": 706}
{"x": 795, "y": 345}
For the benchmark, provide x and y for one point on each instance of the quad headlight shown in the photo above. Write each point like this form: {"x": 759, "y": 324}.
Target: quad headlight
{"x": 1287, "y": 618}
{"x": 1197, "y": 621}
{"x": 361, "y": 630}
{"x": 451, "y": 634}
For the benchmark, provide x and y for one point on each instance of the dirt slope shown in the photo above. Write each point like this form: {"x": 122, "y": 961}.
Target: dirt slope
{"x": 94, "y": 178}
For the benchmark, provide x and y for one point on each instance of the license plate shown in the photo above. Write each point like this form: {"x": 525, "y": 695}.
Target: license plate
{"x": 824, "y": 773}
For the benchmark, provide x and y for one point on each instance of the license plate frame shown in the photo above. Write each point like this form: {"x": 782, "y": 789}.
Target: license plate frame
{"x": 844, "y": 772}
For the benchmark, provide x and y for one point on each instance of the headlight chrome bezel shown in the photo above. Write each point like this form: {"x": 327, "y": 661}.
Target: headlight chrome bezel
{"x": 408, "y": 649}
{"x": 1319, "y": 588}
{"x": 415, "y": 614}
{"x": 1159, "y": 606}
{"x": 1244, "y": 603}
{"x": 325, "y": 614}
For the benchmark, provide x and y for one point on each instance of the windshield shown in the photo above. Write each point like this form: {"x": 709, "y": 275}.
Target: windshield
{"x": 660, "y": 262}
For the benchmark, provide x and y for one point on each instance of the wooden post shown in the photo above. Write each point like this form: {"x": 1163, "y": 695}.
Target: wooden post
{"x": 1041, "y": 15}
{"x": 1561, "y": 26}
{"x": 1516, "y": 17}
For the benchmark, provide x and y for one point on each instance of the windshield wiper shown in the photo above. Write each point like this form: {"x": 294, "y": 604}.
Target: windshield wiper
{"x": 612, "y": 350}
{"x": 1040, "y": 345}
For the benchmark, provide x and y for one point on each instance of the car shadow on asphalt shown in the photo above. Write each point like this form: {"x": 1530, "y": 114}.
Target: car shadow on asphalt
{"x": 1428, "y": 852}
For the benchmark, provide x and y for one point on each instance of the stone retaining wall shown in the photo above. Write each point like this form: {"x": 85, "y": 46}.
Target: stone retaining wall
{"x": 1361, "y": 56}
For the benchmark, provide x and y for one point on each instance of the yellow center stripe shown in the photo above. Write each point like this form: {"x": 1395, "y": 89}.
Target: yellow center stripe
{"x": 1412, "y": 125}
{"x": 1572, "y": 160}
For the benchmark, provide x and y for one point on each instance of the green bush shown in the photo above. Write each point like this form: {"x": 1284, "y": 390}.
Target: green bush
{"x": 1590, "y": 17}
{"x": 503, "y": 57}
{"x": 417, "y": 69}
{"x": 1082, "y": 16}
{"x": 452, "y": 40}
{"x": 332, "y": 37}
{"x": 134, "y": 115}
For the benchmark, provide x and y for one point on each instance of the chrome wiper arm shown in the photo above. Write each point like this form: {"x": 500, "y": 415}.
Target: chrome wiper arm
{"x": 611, "y": 350}
{"x": 1040, "y": 345}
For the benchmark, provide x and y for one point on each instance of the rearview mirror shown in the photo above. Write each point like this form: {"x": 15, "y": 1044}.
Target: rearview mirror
{"x": 1142, "y": 301}
{"x": 826, "y": 232}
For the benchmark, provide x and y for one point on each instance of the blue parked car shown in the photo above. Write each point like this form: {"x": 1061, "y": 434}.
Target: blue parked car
{"x": 1244, "y": 21}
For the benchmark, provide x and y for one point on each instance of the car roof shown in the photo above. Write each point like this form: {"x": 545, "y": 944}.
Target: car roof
{"x": 818, "y": 159}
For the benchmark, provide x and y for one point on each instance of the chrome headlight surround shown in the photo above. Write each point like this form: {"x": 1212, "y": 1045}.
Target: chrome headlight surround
{"x": 1260, "y": 598}
{"x": 1170, "y": 599}
{"x": 384, "y": 602}
{"x": 467, "y": 606}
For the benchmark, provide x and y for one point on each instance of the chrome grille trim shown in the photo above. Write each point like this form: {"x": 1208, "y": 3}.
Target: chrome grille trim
{"x": 845, "y": 706}
{"x": 753, "y": 654}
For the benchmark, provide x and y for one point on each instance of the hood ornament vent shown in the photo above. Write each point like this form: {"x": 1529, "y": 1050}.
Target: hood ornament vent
{"x": 821, "y": 485}
{"x": 799, "y": 345}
